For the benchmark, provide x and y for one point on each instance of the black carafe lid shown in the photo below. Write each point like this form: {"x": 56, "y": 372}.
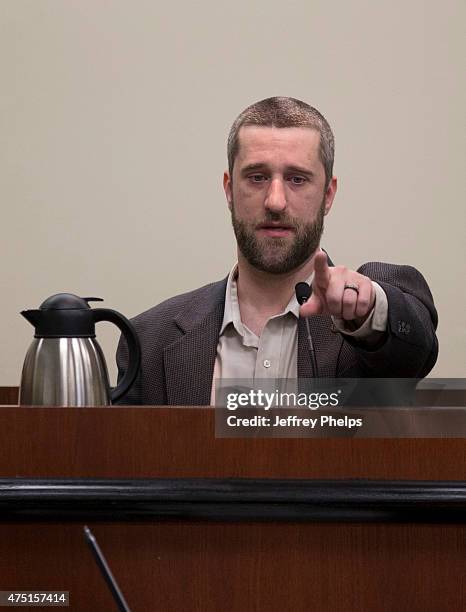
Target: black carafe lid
{"x": 63, "y": 315}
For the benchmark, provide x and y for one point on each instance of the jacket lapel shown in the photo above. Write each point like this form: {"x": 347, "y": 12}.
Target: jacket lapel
{"x": 327, "y": 345}
{"x": 189, "y": 362}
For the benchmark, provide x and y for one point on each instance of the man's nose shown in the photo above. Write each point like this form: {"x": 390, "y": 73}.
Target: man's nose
{"x": 276, "y": 197}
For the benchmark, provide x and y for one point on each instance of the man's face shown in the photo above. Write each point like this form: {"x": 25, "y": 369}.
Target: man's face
{"x": 277, "y": 196}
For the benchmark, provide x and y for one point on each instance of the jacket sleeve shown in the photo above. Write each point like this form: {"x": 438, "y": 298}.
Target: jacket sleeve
{"x": 410, "y": 347}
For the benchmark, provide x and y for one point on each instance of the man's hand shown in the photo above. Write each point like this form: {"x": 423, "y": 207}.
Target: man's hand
{"x": 332, "y": 293}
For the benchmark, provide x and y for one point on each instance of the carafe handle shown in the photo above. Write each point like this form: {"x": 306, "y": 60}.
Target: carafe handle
{"x": 134, "y": 348}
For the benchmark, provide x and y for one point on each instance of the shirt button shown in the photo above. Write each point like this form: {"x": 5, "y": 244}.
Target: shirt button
{"x": 267, "y": 363}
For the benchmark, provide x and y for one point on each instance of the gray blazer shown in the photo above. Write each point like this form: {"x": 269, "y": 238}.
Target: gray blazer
{"x": 179, "y": 341}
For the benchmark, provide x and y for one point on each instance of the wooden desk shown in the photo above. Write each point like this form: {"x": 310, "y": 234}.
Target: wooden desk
{"x": 180, "y": 561}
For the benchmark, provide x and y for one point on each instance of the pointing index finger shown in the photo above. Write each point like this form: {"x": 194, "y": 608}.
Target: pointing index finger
{"x": 321, "y": 271}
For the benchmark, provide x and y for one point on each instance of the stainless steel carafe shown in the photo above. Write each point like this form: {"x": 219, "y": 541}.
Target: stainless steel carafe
{"x": 64, "y": 365}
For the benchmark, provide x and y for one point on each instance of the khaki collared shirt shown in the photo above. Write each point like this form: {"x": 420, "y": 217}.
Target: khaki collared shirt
{"x": 273, "y": 355}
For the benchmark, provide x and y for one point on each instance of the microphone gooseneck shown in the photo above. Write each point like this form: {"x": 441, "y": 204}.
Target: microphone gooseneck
{"x": 303, "y": 292}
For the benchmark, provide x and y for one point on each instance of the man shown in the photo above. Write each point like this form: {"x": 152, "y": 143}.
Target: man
{"x": 378, "y": 321}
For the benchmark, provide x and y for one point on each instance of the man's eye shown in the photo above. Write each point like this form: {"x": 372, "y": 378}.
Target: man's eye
{"x": 297, "y": 180}
{"x": 257, "y": 178}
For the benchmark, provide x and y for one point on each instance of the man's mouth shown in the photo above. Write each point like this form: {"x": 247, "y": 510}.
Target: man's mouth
{"x": 275, "y": 230}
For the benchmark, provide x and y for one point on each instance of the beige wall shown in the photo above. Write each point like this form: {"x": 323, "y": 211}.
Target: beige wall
{"x": 113, "y": 123}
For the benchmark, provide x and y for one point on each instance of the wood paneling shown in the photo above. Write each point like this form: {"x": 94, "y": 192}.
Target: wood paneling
{"x": 239, "y": 567}
{"x": 142, "y": 442}
{"x": 9, "y": 395}
{"x": 424, "y": 397}
{"x": 204, "y": 567}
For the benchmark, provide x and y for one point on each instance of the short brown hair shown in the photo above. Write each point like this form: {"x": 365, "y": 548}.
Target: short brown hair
{"x": 284, "y": 112}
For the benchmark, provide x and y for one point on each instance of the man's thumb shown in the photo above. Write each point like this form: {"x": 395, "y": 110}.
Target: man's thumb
{"x": 312, "y": 307}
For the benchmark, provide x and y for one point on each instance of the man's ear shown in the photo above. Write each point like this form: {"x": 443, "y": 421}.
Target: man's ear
{"x": 227, "y": 187}
{"x": 330, "y": 194}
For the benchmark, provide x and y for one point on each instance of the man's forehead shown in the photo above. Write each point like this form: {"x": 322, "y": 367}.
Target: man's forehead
{"x": 259, "y": 140}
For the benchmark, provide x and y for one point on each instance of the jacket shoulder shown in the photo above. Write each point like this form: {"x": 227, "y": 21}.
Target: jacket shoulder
{"x": 406, "y": 278}
{"x": 195, "y": 301}
{"x": 391, "y": 273}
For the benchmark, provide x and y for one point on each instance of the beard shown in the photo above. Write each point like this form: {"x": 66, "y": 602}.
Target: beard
{"x": 278, "y": 255}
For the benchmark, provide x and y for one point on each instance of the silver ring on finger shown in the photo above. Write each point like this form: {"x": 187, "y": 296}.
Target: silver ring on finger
{"x": 353, "y": 287}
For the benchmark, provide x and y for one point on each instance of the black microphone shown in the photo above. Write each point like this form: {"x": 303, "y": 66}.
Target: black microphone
{"x": 303, "y": 293}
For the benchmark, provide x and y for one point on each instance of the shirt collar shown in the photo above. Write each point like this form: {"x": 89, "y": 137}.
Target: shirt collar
{"x": 232, "y": 313}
